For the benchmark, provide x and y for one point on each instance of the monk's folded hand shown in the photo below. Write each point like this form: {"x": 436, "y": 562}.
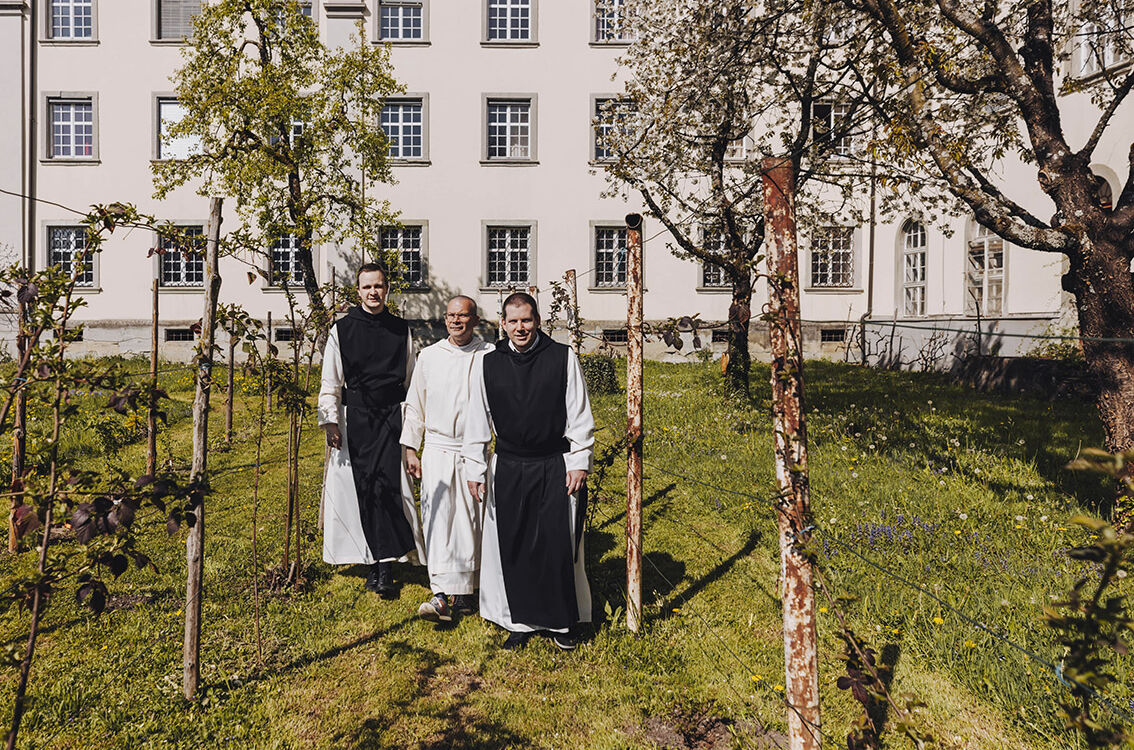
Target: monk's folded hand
{"x": 476, "y": 489}
{"x": 413, "y": 463}
{"x": 575, "y": 481}
{"x": 334, "y": 436}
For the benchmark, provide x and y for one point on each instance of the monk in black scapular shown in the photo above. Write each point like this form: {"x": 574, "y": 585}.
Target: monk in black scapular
{"x": 530, "y": 392}
{"x": 369, "y": 512}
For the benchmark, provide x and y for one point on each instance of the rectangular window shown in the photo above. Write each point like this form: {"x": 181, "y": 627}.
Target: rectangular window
{"x": 609, "y": 115}
{"x": 66, "y": 246}
{"x": 832, "y": 123}
{"x": 1105, "y": 43}
{"x": 179, "y": 334}
{"x": 285, "y": 262}
{"x": 832, "y": 257}
{"x": 509, "y": 129}
{"x": 509, "y": 21}
{"x": 712, "y": 274}
{"x": 913, "y": 269}
{"x": 184, "y": 266}
{"x": 403, "y": 123}
{"x": 72, "y": 128}
{"x": 406, "y": 241}
{"x": 401, "y": 22}
{"x": 72, "y": 19}
{"x": 984, "y": 277}
{"x": 610, "y": 257}
{"x": 508, "y": 256}
{"x": 615, "y": 336}
{"x": 832, "y": 335}
{"x": 737, "y": 149}
{"x": 170, "y": 112}
{"x": 287, "y": 334}
{"x": 175, "y": 18}
{"x": 612, "y": 22}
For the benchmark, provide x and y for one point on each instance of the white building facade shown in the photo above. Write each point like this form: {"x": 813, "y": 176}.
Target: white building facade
{"x": 498, "y": 181}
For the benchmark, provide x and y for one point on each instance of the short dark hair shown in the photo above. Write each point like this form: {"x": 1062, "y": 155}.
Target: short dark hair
{"x": 370, "y": 268}
{"x": 517, "y": 299}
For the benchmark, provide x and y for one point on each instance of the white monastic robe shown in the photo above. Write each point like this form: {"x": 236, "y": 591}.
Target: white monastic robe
{"x": 344, "y": 542}
{"x": 435, "y": 411}
{"x": 579, "y": 440}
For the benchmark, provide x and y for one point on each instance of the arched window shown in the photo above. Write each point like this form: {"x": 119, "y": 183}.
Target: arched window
{"x": 914, "y": 244}
{"x": 984, "y": 273}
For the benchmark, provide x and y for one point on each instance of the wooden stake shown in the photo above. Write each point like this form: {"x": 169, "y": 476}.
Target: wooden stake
{"x": 790, "y": 430}
{"x": 268, "y": 362}
{"x": 572, "y": 281}
{"x": 19, "y": 433}
{"x": 195, "y": 543}
{"x": 230, "y": 402}
{"x": 151, "y": 415}
{"x": 634, "y": 422}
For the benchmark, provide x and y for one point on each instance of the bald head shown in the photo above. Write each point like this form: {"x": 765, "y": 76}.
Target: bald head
{"x": 461, "y": 319}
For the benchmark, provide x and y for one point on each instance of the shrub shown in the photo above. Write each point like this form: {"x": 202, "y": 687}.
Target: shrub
{"x": 599, "y": 371}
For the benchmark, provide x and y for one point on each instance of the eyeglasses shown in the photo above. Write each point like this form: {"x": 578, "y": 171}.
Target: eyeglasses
{"x": 458, "y": 316}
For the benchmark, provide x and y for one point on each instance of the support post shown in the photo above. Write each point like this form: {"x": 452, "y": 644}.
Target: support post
{"x": 633, "y": 422}
{"x": 230, "y": 402}
{"x": 19, "y": 433}
{"x": 268, "y": 361}
{"x": 151, "y": 415}
{"x": 572, "y": 281}
{"x": 195, "y": 543}
{"x": 790, "y": 429}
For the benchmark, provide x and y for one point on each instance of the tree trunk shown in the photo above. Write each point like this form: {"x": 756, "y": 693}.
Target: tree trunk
{"x": 151, "y": 412}
{"x": 1103, "y": 286}
{"x": 195, "y": 544}
{"x": 739, "y": 316}
{"x": 19, "y": 434}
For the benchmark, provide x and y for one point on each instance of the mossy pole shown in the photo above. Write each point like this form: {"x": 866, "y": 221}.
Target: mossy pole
{"x": 633, "y": 422}
{"x": 801, "y": 660}
{"x": 151, "y": 412}
{"x": 195, "y": 543}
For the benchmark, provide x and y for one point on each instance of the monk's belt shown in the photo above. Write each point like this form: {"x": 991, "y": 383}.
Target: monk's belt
{"x": 375, "y": 398}
{"x": 532, "y": 452}
{"x": 443, "y": 443}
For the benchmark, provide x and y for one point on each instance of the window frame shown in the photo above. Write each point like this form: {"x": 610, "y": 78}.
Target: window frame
{"x": 906, "y": 251}
{"x": 532, "y": 158}
{"x": 159, "y": 261}
{"x": 835, "y": 147}
{"x": 852, "y": 284}
{"x": 594, "y": 286}
{"x": 976, "y": 232}
{"x": 270, "y": 284}
{"x": 1085, "y": 51}
{"x": 423, "y": 100}
{"x": 160, "y": 98}
{"x": 155, "y": 26}
{"x": 47, "y": 226}
{"x": 595, "y": 99}
{"x": 423, "y": 225}
{"x": 595, "y": 41}
{"x": 533, "y": 243}
{"x": 725, "y": 287}
{"x": 379, "y": 39}
{"x": 533, "y": 27}
{"x": 49, "y": 99}
{"x": 45, "y": 33}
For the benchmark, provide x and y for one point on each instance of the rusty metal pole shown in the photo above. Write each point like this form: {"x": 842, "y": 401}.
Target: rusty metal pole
{"x": 151, "y": 415}
{"x": 790, "y": 430}
{"x": 633, "y": 422}
{"x": 572, "y": 280}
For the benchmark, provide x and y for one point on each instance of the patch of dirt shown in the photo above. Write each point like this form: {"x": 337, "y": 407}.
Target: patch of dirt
{"x": 128, "y": 602}
{"x": 685, "y": 728}
{"x": 455, "y": 681}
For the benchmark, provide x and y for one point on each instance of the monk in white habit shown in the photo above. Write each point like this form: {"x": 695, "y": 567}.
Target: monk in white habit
{"x": 530, "y": 392}
{"x": 369, "y": 512}
{"x": 435, "y": 413}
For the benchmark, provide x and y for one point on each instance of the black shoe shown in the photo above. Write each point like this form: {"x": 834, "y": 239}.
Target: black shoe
{"x": 381, "y": 580}
{"x": 372, "y": 579}
{"x": 464, "y": 604}
{"x": 565, "y": 641}
{"x": 516, "y": 641}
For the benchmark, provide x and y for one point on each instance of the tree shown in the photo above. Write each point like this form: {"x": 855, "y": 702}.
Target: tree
{"x": 963, "y": 86}
{"x": 286, "y": 127}
{"x": 712, "y": 89}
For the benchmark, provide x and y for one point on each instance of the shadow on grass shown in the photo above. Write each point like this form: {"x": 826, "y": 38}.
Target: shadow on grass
{"x": 718, "y": 571}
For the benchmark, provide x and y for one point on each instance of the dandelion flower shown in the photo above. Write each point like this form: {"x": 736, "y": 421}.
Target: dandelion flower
{"x": 756, "y": 678}
{"x": 824, "y": 609}
{"x": 957, "y": 531}
{"x": 779, "y": 688}
{"x": 939, "y": 620}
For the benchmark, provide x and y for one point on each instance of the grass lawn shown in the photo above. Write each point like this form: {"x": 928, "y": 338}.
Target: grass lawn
{"x": 960, "y": 492}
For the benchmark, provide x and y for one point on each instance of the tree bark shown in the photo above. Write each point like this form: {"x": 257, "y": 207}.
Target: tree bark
{"x": 739, "y": 317}
{"x": 151, "y": 412}
{"x": 195, "y": 543}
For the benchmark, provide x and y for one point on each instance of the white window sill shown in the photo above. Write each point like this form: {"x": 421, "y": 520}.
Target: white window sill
{"x": 297, "y": 289}
{"x": 714, "y": 290}
{"x": 410, "y": 163}
{"x": 49, "y": 42}
{"x": 509, "y": 162}
{"x": 168, "y": 42}
{"x": 69, "y": 160}
{"x": 518, "y": 44}
{"x": 832, "y": 290}
{"x": 404, "y": 42}
{"x": 607, "y": 289}
{"x": 508, "y": 288}
{"x": 611, "y": 43}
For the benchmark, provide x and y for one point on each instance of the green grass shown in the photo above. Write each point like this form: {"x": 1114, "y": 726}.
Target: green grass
{"x": 900, "y": 464}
